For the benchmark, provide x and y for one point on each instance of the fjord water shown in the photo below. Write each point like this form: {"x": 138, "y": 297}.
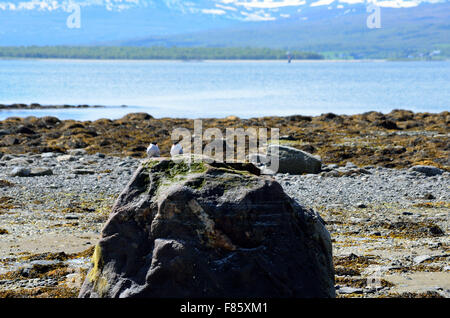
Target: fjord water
{"x": 219, "y": 88}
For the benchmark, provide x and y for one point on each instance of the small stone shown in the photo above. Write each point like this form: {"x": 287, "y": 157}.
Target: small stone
{"x": 350, "y": 165}
{"x": 4, "y": 132}
{"x": 37, "y": 172}
{"x": 332, "y": 173}
{"x": 20, "y": 161}
{"x": 349, "y": 290}
{"x": 370, "y": 290}
{"x": 421, "y": 258}
{"x": 10, "y": 141}
{"x": 65, "y": 158}
{"x": 48, "y": 155}
{"x": 435, "y": 230}
{"x": 24, "y": 130}
{"x": 71, "y": 217}
{"x": 77, "y": 152}
{"x": 434, "y": 245}
{"x": 20, "y": 172}
{"x": 429, "y": 171}
{"x": 82, "y": 171}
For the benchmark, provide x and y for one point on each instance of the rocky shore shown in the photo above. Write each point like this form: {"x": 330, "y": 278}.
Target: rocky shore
{"x": 39, "y": 106}
{"x": 388, "y": 220}
{"x": 396, "y": 140}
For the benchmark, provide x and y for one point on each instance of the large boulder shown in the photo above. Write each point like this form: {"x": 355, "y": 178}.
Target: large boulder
{"x": 183, "y": 229}
{"x": 293, "y": 161}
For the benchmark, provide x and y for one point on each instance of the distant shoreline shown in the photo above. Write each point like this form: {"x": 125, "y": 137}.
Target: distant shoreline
{"x": 199, "y": 60}
{"x": 39, "y": 106}
{"x": 215, "y": 60}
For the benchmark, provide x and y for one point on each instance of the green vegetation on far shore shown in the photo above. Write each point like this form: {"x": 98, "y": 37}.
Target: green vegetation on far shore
{"x": 153, "y": 53}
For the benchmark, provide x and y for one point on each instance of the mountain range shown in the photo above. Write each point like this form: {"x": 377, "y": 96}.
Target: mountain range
{"x": 336, "y": 28}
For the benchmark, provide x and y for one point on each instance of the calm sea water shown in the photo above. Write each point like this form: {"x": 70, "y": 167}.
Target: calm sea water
{"x": 219, "y": 89}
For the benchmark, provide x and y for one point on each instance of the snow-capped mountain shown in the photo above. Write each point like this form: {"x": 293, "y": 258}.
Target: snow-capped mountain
{"x": 318, "y": 25}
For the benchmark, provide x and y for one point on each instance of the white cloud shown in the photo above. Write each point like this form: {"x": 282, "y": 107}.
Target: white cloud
{"x": 352, "y": 1}
{"x": 257, "y": 16}
{"x": 225, "y": 7}
{"x": 322, "y": 3}
{"x": 398, "y": 3}
{"x": 268, "y": 4}
{"x": 214, "y": 11}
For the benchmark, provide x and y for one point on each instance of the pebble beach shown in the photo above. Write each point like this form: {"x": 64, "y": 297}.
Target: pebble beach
{"x": 387, "y": 218}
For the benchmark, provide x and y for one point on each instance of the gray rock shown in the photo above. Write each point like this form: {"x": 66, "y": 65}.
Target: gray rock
{"x": 4, "y": 132}
{"x": 71, "y": 217}
{"x": 7, "y": 157}
{"x": 37, "y": 172}
{"x": 33, "y": 172}
{"x": 349, "y": 290}
{"x": 294, "y": 161}
{"x": 209, "y": 230}
{"x": 332, "y": 173}
{"x": 434, "y": 245}
{"x": 9, "y": 141}
{"x": 350, "y": 165}
{"x": 77, "y": 152}
{"x": 429, "y": 171}
{"x": 20, "y": 172}
{"x": 48, "y": 155}
{"x": 421, "y": 258}
{"x": 82, "y": 171}
{"x": 65, "y": 158}
{"x": 20, "y": 161}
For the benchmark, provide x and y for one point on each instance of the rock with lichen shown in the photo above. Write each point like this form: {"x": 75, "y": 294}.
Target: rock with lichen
{"x": 197, "y": 229}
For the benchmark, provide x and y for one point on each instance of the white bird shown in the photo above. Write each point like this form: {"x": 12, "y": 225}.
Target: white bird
{"x": 176, "y": 150}
{"x": 153, "y": 150}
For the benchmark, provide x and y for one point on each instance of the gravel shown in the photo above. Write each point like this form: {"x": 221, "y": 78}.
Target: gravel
{"x": 378, "y": 186}
{"x": 396, "y": 216}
